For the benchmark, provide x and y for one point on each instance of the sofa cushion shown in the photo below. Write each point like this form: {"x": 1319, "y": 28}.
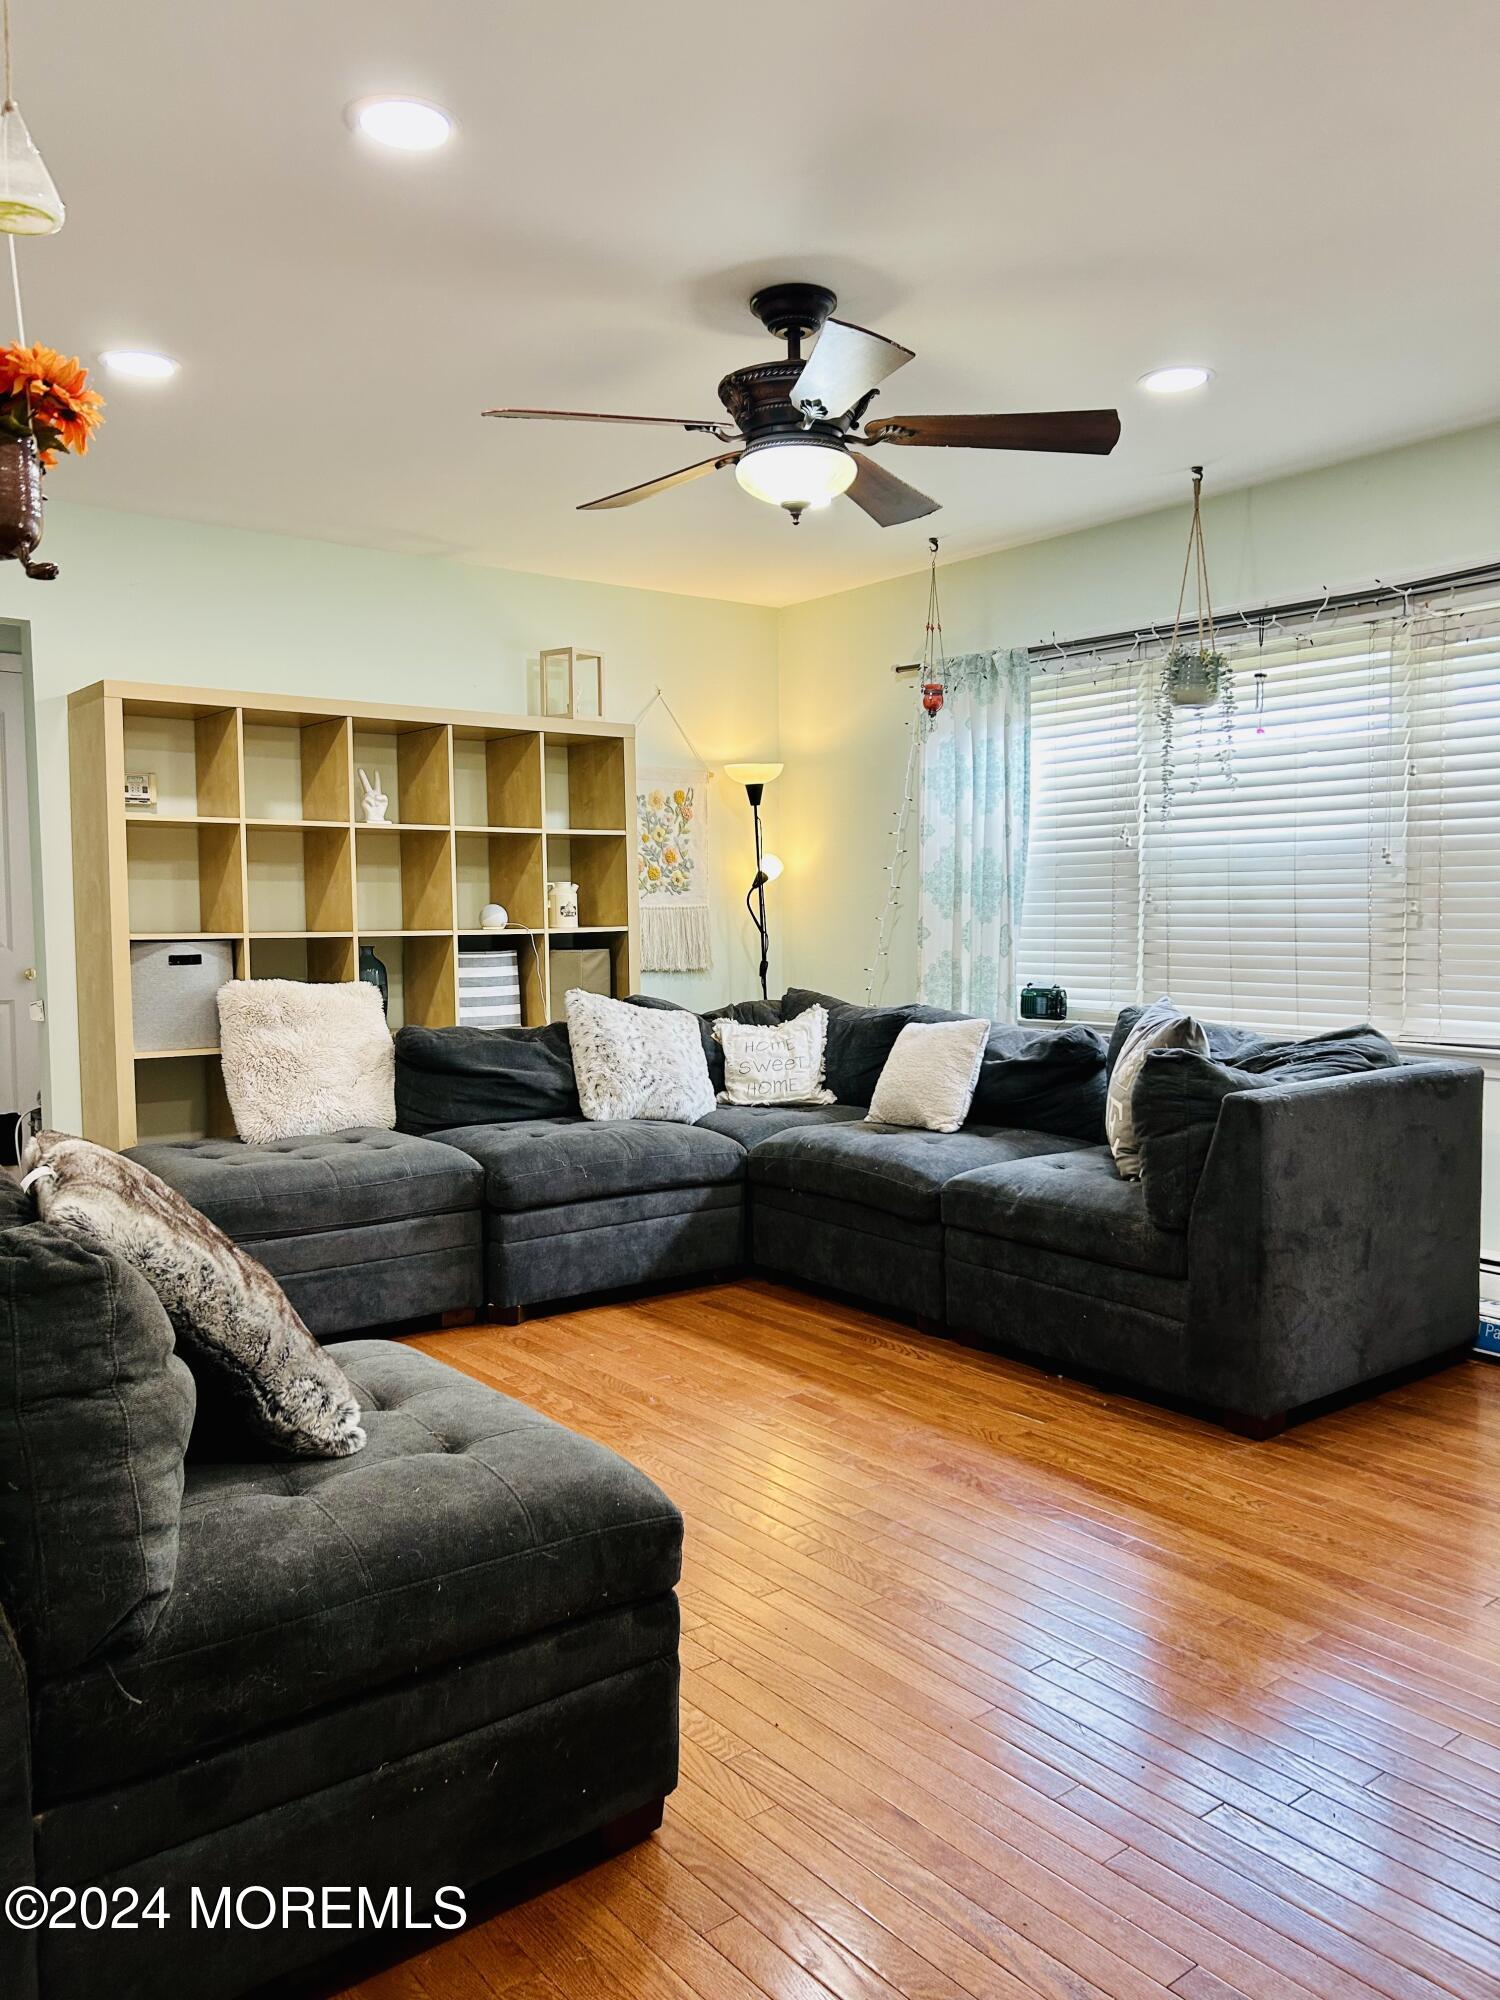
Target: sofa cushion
{"x": 1072, "y": 1202}
{"x": 1178, "y": 1094}
{"x": 859, "y": 1038}
{"x": 95, "y": 1412}
{"x": 887, "y": 1167}
{"x": 750, "y": 1123}
{"x": 547, "y": 1161}
{"x": 752, "y": 1013}
{"x": 482, "y": 1076}
{"x": 295, "y": 1186}
{"x": 1049, "y": 1079}
{"x": 467, "y": 1522}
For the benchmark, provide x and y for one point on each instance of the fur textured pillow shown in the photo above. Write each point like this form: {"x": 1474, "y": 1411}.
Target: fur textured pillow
{"x": 226, "y": 1309}
{"x": 780, "y": 1064}
{"x": 637, "y": 1062}
{"x": 929, "y": 1076}
{"x": 302, "y": 1058}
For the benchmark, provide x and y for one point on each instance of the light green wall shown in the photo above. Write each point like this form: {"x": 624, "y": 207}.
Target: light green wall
{"x": 1424, "y": 508}
{"x": 157, "y": 600}
{"x": 148, "y": 599}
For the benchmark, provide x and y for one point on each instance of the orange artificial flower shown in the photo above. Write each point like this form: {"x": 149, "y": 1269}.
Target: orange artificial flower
{"x": 45, "y": 395}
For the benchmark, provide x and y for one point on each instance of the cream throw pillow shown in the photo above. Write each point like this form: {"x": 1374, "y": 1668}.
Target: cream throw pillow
{"x": 1162, "y": 1025}
{"x": 303, "y": 1057}
{"x": 774, "y": 1065}
{"x": 929, "y": 1076}
{"x": 637, "y": 1062}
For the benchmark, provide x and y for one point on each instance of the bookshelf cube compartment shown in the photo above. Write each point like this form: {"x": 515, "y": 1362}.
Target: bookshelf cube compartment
{"x": 497, "y": 778}
{"x": 423, "y": 976}
{"x": 181, "y": 1097}
{"x": 579, "y": 959}
{"x": 599, "y": 864}
{"x": 194, "y": 758}
{"x": 504, "y": 868}
{"x": 183, "y": 878}
{"x": 585, "y": 778}
{"x": 415, "y": 770}
{"x": 404, "y": 880}
{"x": 328, "y": 961}
{"x": 297, "y": 768}
{"x": 300, "y": 878}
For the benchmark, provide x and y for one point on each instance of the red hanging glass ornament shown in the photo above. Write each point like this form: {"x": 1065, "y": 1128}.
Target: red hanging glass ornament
{"x": 934, "y": 659}
{"x": 932, "y": 696}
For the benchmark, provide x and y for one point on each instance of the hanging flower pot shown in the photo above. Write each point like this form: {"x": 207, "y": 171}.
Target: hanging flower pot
{"x": 1194, "y": 673}
{"x": 1192, "y": 676}
{"x": 21, "y": 505}
{"x": 46, "y": 407}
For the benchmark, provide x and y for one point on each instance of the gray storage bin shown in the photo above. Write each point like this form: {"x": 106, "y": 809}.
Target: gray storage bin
{"x": 173, "y": 989}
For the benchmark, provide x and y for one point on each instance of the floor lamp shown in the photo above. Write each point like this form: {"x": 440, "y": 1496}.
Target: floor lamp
{"x": 755, "y": 778}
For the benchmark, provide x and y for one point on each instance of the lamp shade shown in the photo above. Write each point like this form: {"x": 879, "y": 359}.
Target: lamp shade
{"x": 796, "y": 474}
{"x": 771, "y": 866}
{"x": 753, "y": 774}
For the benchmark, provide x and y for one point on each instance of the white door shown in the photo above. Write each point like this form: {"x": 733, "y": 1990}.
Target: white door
{"x": 20, "y": 1037}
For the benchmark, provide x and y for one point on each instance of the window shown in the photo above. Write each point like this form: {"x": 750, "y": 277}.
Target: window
{"x": 1336, "y": 859}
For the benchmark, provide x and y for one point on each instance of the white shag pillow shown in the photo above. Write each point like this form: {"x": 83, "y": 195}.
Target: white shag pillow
{"x": 780, "y": 1064}
{"x": 929, "y": 1076}
{"x": 302, "y": 1058}
{"x": 1162, "y": 1025}
{"x": 226, "y": 1309}
{"x": 637, "y": 1062}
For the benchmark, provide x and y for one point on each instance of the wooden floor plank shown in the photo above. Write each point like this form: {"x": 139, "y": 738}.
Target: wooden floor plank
{"x": 998, "y": 1687}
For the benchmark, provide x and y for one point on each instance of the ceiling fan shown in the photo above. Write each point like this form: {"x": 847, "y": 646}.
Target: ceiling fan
{"x": 799, "y": 420}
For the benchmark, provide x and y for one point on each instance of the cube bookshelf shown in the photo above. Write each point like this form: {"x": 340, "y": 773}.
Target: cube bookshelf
{"x": 258, "y": 839}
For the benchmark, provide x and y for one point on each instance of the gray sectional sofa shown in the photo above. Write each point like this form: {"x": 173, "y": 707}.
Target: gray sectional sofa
{"x": 410, "y": 1669}
{"x": 1332, "y": 1240}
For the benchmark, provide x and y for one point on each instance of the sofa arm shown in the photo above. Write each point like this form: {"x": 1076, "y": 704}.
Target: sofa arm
{"x": 17, "y": 1855}
{"x": 1334, "y": 1237}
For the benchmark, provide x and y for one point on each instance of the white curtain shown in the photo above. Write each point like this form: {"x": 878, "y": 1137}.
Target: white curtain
{"x": 975, "y": 803}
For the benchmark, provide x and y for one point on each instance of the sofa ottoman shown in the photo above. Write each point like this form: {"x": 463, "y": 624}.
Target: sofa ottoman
{"x": 361, "y": 1228}
{"x": 856, "y": 1206}
{"x": 573, "y": 1206}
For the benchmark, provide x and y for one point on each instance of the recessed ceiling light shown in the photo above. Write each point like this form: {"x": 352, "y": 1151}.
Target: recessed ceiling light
{"x": 403, "y": 122}
{"x": 136, "y": 364}
{"x": 1173, "y": 381}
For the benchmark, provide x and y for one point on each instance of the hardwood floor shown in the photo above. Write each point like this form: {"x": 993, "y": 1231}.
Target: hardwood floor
{"x": 995, "y": 1686}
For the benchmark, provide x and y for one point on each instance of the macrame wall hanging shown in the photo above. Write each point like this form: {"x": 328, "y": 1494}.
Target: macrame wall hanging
{"x": 932, "y": 682}
{"x": 1195, "y": 675}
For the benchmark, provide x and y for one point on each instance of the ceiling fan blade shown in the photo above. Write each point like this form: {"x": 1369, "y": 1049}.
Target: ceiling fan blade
{"x": 886, "y": 499}
{"x": 847, "y": 363}
{"x": 1043, "y": 430}
{"x": 712, "y": 425}
{"x": 631, "y": 494}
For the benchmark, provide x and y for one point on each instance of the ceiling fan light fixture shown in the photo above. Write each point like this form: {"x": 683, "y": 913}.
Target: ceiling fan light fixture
{"x": 1177, "y": 380}
{"x": 796, "y": 474}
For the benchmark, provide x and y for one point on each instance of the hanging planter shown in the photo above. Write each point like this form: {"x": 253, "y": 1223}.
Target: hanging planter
{"x": 46, "y": 408}
{"x": 46, "y": 404}
{"x": 1195, "y": 675}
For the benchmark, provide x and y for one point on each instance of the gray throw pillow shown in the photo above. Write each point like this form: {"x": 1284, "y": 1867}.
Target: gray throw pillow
{"x": 1162, "y": 1025}
{"x": 482, "y": 1076}
{"x": 860, "y": 1039}
{"x": 225, "y": 1307}
{"x": 1178, "y": 1094}
{"x": 95, "y": 1413}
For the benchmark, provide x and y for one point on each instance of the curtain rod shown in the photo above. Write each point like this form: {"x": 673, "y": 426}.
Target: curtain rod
{"x": 1334, "y": 602}
{"x": 1226, "y": 621}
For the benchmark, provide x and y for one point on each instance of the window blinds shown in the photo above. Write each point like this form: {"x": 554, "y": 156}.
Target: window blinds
{"x": 1351, "y": 870}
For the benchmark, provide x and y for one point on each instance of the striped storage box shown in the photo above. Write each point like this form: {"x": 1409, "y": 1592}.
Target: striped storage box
{"x": 489, "y": 987}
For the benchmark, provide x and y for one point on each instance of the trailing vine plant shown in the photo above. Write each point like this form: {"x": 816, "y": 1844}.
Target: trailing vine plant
{"x": 1195, "y": 674}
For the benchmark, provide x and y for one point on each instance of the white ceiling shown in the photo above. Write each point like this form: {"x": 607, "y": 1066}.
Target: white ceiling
{"x": 1043, "y": 199}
